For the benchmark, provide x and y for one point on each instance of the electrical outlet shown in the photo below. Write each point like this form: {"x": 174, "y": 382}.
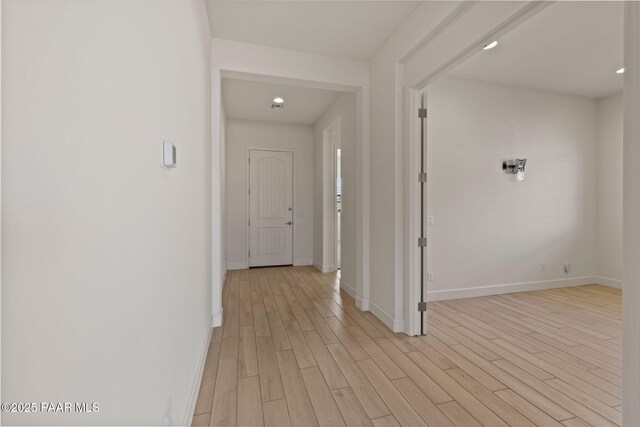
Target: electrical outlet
{"x": 430, "y": 276}
{"x": 543, "y": 267}
{"x": 430, "y": 220}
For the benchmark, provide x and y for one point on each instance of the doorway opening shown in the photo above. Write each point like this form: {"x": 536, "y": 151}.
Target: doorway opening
{"x": 489, "y": 111}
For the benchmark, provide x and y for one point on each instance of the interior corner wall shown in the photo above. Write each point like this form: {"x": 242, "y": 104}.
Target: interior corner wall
{"x": 386, "y": 149}
{"x": 106, "y": 256}
{"x": 609, "y": 173}
{"x": 243, "y": 135}
{"x": 344, "y": 108}
{"x": 491, "y": 234}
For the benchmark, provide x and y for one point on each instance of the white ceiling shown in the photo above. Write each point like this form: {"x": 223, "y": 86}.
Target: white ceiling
{"x": 351, "y": 29}
{"x": 570, "y": 47}
{"x": 250, "y": 100}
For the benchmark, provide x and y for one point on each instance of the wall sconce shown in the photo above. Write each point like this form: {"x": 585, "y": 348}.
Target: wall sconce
{"x": 516, "y": 167}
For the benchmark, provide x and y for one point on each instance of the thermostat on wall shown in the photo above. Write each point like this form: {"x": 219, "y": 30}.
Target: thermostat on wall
{"x": 168, "y": 154}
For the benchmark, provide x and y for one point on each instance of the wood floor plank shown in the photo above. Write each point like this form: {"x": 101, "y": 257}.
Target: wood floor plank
{"x": 298, "y": 402}
{"x": 270, "y": 381}
{"x": 513, "y": 382}
{"x": 428, "y": 386}
{"x": 489, "y": 399}
{"x": 276, "y": 413}
{"x": 565, "y": 401}
{"x": 368, "y": 397}
{"x": 325, "y": 407}
{"x": 348, "y": 341}
{"x": 460, "y": 361}
{"x": 466, "y": 399}
{"x": 322, "y": 326}
{"x": 388, "y": 421}
{"x": 458, "y": 415}
{"x": 261, "y": 322}
{"x": 280, "y": 338}
{"x": 388, "y": 366}
{"x": 400, "y": 408}
{"x": 330, "y": 371}
{"x": 200, "y": 420}
{"x": 208, "y": 382}
{"x": 225, "y": 396}
{"x": 301, "y": 349}
{"x": 352, "y": 411}
{"x": 247, "y": 357}
{"x": 429, "y": 412}
{"x": 249, "y": 402}
{"x": 295, "y": 350}
{"x": 528, "y": 409}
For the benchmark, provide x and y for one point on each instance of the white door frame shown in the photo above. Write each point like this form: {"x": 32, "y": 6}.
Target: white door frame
{"x": 412, "y": 212}
{"x": 411, "y": 139}
{"x": 328, "y": 197}
{"x": 248, "y": 198}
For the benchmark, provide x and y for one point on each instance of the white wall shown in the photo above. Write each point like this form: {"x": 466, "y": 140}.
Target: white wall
{"x": 344, "y": 108}
{"x": 489, "y": 230}
{"x": 386, "y": 172}
{"x": 243, "y": 135}
{"x": 106, "y": 256}
{"x": 609, "y": 172}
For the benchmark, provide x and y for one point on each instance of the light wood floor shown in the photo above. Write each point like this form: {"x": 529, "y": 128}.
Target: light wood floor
{"x": 294, "y": 350}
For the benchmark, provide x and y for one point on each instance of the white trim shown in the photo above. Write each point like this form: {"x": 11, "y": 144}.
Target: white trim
{"x": 348, "y": 288}
{"x": 324, "y": 268}
{"x": 237, "y": 265}
{"x": 411, "y": 228}
{"x": 396, "y": 325}
{"x": 216, "y": 319}
{"x": 303, "y": 261}
{"x": 361, "y": 303}
{"x": 195, "y": 388}
{"x": 608, "y": 281}
{"x": 480, "y": 291}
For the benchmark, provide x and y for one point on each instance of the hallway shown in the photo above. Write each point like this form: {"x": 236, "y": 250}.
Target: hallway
{"x": 294, "y": 350}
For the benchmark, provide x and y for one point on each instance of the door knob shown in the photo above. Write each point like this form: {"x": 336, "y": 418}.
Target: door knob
{"x": 288, "y": 223}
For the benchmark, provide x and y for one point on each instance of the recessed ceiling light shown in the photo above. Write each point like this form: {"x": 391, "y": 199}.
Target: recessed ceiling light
{"x": 490, "y": 45}
{"x": 278, "y": 100}
{"x": 620, "y": 71}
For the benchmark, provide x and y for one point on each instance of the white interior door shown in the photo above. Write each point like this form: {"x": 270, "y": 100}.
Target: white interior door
{"x": 270, "y": 208}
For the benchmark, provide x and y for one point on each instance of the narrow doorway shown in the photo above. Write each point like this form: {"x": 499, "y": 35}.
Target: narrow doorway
{"x": 338, "y": 199}
{"x": 270, "y": 208}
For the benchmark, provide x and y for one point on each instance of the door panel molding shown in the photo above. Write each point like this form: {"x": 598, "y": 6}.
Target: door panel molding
{"x": 270, "y": 207}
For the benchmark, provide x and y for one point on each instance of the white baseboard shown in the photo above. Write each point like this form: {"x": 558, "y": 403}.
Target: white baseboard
{"x": 237, "y": 265}
{"x": 361, "y": 303}
{"x": 195, "y": 389}
{"x": 301, "y": 262}
{"x": 324, "y": 268}
{"x": 348, "y": 288}
{"x": 216, "y": 319}
{"x": 396, "y": 325}
{"x": 607, "y": 281}
{"x": 481, "y": 291}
